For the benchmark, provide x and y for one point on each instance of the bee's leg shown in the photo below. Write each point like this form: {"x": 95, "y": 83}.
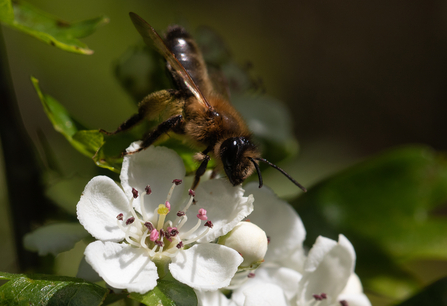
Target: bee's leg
{"x": 200, "y": 171}
{"x": 202, "y": 168}
{"x": 128, "y": 124}
{"x": 149, "y": 108}
{"x": 164, "y": 127}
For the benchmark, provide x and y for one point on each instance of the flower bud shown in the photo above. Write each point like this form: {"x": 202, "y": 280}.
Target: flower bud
{"x": 250, "y": 241}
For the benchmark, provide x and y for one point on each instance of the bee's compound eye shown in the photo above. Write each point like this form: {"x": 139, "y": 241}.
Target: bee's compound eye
{"x": 229, "y": 152}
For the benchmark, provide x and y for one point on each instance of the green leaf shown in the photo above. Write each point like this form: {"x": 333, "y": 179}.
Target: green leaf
{"x": 386, "y": 206}
{"x": 48, "y": 28}
{"x": 38, "y": 289}
{"x": 85, "y": 141}
{"x": 6, "y": 11}
{"x": 433, "y": 295}
{"x": 54, "y": 238}
{"x": 168, "y": 293}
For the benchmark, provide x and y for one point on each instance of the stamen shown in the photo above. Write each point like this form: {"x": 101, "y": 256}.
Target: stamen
{"x": 209, "y": 224}
{"x": 173, "y": 231}
{"x": 168, "y": 198}
{"x": 192, "y": 193}
{"x": 143, "y": 239}
{"x": 197, "y": 237}
{"x": 130, "y": 220}
{"x": 179, "y": 245}
{"x": 344, "y": 303}
{"x": 182, "y": 222}
{"x": 143, "y": 209}
{"x": 268, "y": 239}
{"x": 317, "y": 297}
{"x": 186, "y": 234}
{"x": 120, "y": 217}
{"x": 251, "y": 275}
{"x": 189, "y": 203}
{"x": 130, "y": 241}
{"x": 202, "y": 214}
{"x": 149, "y": 226}
{"x": 148, "y": 190}
{"x": 134, "y": 193}
{"x": 180, "y": 213}
{"x": 179, "y": 222}
{"x": 177, "y": 181}
{"x": 159, "y": 243}
{"x": 323, "y": 296}
{"x": 154, "y": 235}
{"x": 132, "y": 211}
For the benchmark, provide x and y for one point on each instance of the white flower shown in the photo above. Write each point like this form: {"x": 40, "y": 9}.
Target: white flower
{"x": 328, "y": 277}
{"x": 325, "y": 277}
{"x": 146, "y": 228}
{"x": 282, "y": 225}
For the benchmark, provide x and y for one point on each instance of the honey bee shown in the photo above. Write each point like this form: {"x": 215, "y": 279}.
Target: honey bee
{"x": 195, "y": 110}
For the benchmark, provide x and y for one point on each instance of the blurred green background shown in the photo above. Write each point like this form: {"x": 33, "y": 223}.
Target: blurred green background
{"x": 358, "y": 77}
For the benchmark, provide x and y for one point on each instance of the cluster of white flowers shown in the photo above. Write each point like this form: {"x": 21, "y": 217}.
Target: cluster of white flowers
{"x": 152, "y": 226}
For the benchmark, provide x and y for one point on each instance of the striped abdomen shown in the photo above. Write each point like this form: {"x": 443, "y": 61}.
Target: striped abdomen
{"x": 185, "y": 49}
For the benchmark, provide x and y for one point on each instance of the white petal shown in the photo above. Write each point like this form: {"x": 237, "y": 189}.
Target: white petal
{"x": 213, "y": 298}
{"x": 353, "y": 292}
{"x": 205, "y": 266}
{"x": 225, "y": 204}
{"x": 100, "y": 203}
{"x": 355, "y": 299}
{"x": 122, "y": 266}
{"x": 85, "y": 271}
{"x": 54, "y": 238}
{"x": 285, "y": 278}
{"x": 353, "y": 286}
{"x": 264, "y": 294}
{"x": 280, "y": 222}
{"x": 154, "y": 166}
{"x": 327, "y": 270}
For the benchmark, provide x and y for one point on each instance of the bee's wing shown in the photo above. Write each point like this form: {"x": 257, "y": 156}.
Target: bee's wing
{"x": 151, "y": 38}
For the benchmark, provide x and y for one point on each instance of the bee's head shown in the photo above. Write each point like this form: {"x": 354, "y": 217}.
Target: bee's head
{"x": 235, "y": 154}
{"x": 240, "y": 157}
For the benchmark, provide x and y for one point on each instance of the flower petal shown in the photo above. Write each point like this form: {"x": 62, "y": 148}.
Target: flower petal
{"x": 100, "y": 203}
{"x": 54, "y": 238}
{"x": 261, "y": 294}
{"x": 122, "y": 266}
{"x": 353, "y": 292}
{"x": 225, "y": 204}
{"x": 205, "y": 266}
{"x": 154, "y": 166}
{"x": 285, "y": 278}
{"x": 213, "y": 298}
{"x": 327, "y": 270}
{"x": 355, "y": 299}
{"x": 279, "y": 221}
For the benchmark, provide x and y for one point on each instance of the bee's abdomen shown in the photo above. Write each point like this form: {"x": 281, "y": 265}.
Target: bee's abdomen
{"x": 185, "y": 49}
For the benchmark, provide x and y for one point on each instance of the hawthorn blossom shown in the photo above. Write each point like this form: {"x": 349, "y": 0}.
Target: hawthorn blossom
{"x": 152, "y": 225}
{"x": 288, "y": 277}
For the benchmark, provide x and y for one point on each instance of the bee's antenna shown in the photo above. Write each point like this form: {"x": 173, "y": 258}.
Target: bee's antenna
{"x": 257, "y": 171}
{"x": 280, "y": 170}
